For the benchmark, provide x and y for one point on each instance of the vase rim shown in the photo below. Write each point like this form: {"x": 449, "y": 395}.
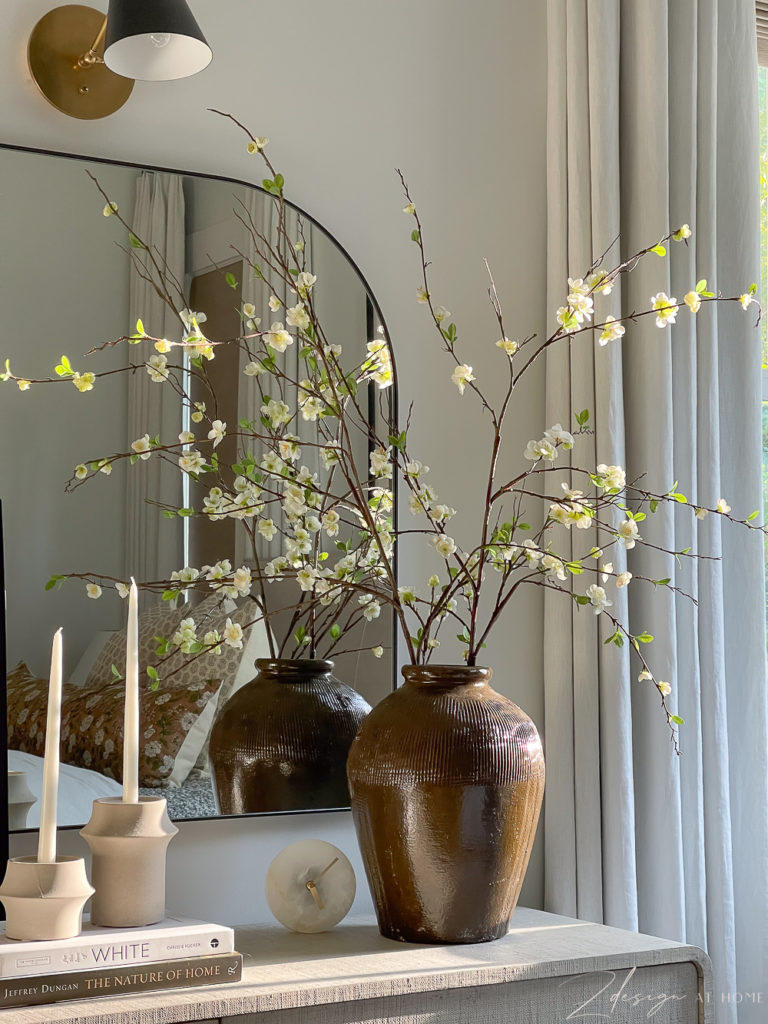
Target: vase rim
{"x": 446, "y": 675}
{"x": 291, "y": 668}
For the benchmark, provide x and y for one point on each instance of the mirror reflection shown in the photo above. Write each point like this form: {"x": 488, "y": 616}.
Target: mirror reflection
{"x": 70, "y": 283}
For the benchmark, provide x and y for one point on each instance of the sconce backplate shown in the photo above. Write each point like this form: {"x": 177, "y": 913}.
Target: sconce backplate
{"x": 57, "y": 42}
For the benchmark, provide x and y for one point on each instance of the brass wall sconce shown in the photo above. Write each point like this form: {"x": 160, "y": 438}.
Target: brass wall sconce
{"x": 85, "y": 62}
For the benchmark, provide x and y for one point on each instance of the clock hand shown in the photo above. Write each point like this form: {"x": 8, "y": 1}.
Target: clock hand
{"x": 312, "y": 888}
{"x": 326, "y": 868}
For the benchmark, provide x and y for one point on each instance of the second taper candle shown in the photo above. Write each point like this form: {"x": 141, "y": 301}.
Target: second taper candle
{"x": 131, "y": 719}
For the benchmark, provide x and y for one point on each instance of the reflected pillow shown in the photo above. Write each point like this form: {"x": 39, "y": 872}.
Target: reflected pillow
{"x": 161, "y": 621}
{"x": 92, "y": 724}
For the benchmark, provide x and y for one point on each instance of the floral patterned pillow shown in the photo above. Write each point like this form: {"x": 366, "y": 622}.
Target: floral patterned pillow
{"x": 161, "y": 621}
{"x": 92, "y": 723}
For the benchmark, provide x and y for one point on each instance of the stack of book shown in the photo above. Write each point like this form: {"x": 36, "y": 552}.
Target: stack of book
{"x": 175, "y": 953}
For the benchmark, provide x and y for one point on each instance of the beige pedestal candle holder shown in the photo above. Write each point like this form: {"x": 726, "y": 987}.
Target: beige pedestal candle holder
{"x": 128, "y": 845}
{"x": 44, "y": 900}
{"x": 20, "y": 800}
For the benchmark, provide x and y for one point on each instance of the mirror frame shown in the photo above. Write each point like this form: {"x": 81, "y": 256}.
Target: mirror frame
{"x": 374, "y": 311}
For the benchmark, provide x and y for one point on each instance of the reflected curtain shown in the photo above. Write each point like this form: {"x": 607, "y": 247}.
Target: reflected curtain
{"x": 154, "y": 544}
{"x": 652, "y": 122}
{"x": 261, "y": 213}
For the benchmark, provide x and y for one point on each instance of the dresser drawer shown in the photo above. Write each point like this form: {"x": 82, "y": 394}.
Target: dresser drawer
{"x": 667, "y": 994}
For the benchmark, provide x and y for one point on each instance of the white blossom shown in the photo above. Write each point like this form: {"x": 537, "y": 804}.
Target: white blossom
{"x": 623, "y": 579}
{"x": 157, "y": 368}
{"x": 122, "y": 589}
{"x": 233, "y": 634}
{"x": 543, "y": 449}
{"x": 331, "y": 523}
{"x": 665, "y": 307}
{"x": 644, "y": 676}
{"x": 612, "y": 478}
{"x": 558, "y": 435}
{"x": 692, "y": 300}
{"x": 380, "y": 462}
{"x": 372, "y": 610}
{"x": 664, "y": 688}
{"x": 253, "y": 369}
{"x": 81, "y": 471}
{"x": 723, "y": 506}
{"x": 462, "y": 376}
{"x": 267, "y": 528}
{"x": 612, "y": 331}
{"x": 142, "y": 447}
{"x": 628, "y": 534}
{"x": 297, "y": 316}
{"x": 191, "y": 461}
{"x": 377, "y": 652}
{"x": 445, "y": 546}
{"x": 278, "y": 338}
{"x": 217, "y": 432}
{"x": 510, "y": 347}
{"x": 598, "y": 598}
{"x": 93, "y": 590}
{"x": 304, "y": 280}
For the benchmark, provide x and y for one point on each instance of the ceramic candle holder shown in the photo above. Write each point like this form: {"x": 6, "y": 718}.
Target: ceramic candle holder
{"x": 20, "y": 800}
{"x": 128, "y": 845}
{"x": 44, "y": 901}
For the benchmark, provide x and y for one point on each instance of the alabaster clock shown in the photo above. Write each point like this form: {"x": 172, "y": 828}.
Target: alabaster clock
{"x": 310, "y": 886}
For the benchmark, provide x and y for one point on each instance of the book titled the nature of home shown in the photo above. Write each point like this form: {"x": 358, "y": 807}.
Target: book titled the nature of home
{"x": 172, "y": 939}
{"x": 190, "y": 972}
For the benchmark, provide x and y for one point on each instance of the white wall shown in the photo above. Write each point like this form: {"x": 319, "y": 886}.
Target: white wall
{"x": 57, "y": 247}
{"x": 454, "y": 94}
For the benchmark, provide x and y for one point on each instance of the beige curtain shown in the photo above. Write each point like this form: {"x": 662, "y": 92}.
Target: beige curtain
{"x": 652, "y": 122}
{"x": 154, "y": 544}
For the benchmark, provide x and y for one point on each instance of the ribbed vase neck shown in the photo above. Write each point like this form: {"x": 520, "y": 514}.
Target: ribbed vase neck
{"x": 293, "y": 670}
{"x": 446, "y": 676}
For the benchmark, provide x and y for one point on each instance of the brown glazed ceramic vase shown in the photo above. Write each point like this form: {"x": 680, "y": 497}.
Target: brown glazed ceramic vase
{"x": 447, "y": 779}
{"x": 281, "y": 742}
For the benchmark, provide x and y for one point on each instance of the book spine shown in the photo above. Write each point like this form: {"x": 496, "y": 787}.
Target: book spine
{"x": 86, "y": 952}
{"x": 191, "y": 972}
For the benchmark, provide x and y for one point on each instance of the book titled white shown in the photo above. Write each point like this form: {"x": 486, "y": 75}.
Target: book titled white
{"x": 175, "y": 938}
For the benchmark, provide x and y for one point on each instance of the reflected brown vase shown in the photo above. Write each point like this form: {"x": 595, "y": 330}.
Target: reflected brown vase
{"x": 447, "y": 779}
{"x": 281, "y": 742}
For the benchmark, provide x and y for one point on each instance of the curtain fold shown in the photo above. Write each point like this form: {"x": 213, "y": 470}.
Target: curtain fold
{"x": 652, "y": 122}
{"x": 262, "y": 216}
{"x": 154, "y": 545}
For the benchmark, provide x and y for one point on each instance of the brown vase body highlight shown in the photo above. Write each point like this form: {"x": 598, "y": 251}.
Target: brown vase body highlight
{"x": 446, "y": 778}
{"x": 280, "y": 743}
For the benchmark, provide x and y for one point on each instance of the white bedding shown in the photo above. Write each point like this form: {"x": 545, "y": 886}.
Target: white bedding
{"x": 78, "y": 788}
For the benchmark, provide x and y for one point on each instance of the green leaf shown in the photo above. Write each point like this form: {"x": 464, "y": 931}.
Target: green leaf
{"x": 136, "y": 243}
{"x": 152, "y": 672}
{"x": 231, "y": 280}
{"x": 644, "y": 638}
{"x": 659, "y": 250}
{"x": 580, "y": 598}
{"x": 753, "y": 289}
{"x": 662, "y": 583}
{"x": 398, "y": 441}
{"x": 279, "y": 181}
{"x": 170, "y": 595}
{"x": 140, "y": 327}
{"x": 335, "y": 631}
{"x": 582, "y": 418}
{"x": 53, "y": 581}
{"x": 64, "y": 369}
{"x": 134, "y": 459}
{"x": 654, "y": 504}
{"x": 116, "y": 672}
{"x": 700, "y": 286}
{"x": 753, "y": 515}
{"x": 168, "y": 514}
{"x": 677, "y": 719}
{"x": 186, "y": 512}
{"x": 415, "y": 236}
{"x": 7, "y": 374}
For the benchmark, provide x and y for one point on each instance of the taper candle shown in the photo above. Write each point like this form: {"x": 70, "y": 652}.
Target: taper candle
{"x": 131, "y": 719}
{"x": 46, "y": 847}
